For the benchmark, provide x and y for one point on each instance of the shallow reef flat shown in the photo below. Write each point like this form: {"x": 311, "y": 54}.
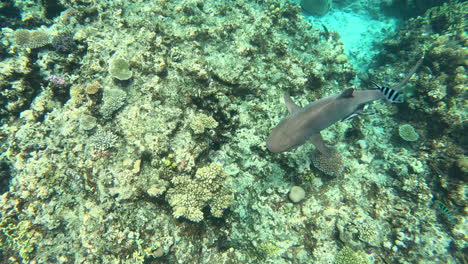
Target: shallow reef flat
{"x": 135, "y": 132}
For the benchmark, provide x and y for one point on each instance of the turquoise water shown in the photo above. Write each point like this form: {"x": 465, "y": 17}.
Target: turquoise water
{"x": 159, "y": 132}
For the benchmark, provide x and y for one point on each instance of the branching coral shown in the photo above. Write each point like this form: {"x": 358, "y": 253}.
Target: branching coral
{"x": 202, "y": 122}
{"x": 348, "y": 256}
{"x": 189, "y": 196}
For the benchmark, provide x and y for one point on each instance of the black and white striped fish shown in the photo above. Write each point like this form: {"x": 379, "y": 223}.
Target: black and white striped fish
{"x": 391, "y": 94}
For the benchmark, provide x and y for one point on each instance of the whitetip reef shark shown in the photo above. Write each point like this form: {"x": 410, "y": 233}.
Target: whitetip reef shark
{"x": 304, "y": 124}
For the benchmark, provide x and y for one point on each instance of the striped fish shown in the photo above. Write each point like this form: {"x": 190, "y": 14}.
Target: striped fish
{"x": 391, "y": 94}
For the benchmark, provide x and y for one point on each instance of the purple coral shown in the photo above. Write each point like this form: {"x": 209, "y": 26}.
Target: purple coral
{"x": 57, "y": 81}
{"x": 63, "y": 43}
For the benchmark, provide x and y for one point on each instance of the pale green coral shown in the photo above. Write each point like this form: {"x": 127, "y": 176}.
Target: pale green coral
{"x": 349, "y": 256}
{"x": 31, "y": 39}
{"x": 202, "y": 122}
{"x": 119, "y": 69}
{"x": 407, "y": 132}
{"x": 189, "y": 195}
{"x": 20, "y": 236}
{"x": 113, "y": 100}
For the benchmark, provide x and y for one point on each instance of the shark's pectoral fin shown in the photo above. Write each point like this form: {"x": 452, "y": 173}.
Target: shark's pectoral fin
{"x": 356, "y": 113}
{"x": 292, "y": 107}
{"x": 319, "y": 143}
{"x": 351, "y": 116}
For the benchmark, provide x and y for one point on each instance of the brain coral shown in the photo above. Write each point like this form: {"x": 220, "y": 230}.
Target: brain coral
{"x": 331, "y": 164}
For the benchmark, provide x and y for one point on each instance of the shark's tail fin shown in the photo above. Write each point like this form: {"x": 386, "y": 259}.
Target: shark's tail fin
{"x": 408, "y": 76}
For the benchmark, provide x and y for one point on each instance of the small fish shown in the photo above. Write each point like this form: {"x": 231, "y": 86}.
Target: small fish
{"x": 391, "y": 94}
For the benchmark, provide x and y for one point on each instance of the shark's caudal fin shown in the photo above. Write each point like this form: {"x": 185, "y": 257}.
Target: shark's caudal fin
{"x": 408, "y": 76}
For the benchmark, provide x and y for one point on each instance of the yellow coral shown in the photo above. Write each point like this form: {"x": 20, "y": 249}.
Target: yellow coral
{"x": 201, "y": 122}
{"x": 189, "y": 196}
{"x": 31, "y": 39}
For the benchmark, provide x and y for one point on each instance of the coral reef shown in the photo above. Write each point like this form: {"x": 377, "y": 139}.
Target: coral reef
{"x": 171, "y": 164}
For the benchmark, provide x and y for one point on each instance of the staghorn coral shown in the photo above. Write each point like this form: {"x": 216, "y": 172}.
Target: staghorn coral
{"x": 208, "y": 187}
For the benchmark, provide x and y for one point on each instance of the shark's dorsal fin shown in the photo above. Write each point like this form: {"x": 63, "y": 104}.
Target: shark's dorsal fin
{"x": 347, "y": 93}
{"x": 292, "y": 107}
